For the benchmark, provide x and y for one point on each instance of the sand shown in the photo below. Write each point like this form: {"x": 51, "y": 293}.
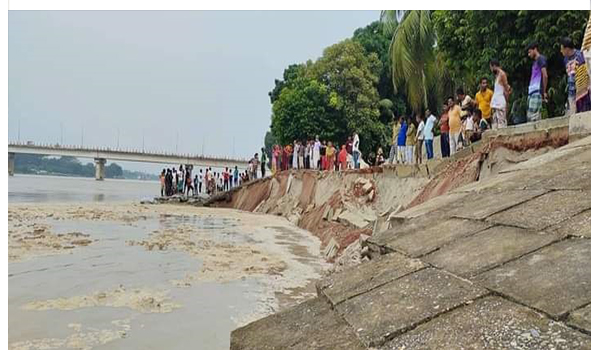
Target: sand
{"x": 80, "y": 339}
{"x": 142, "y": 300}
{"x": 29, "y": 240}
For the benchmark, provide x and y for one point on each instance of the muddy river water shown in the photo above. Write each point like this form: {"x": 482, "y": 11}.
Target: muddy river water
{"x": 91, "y": 268}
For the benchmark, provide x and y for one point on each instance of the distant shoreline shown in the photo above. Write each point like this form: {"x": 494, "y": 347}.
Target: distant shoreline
{"x": 82, "y": 177}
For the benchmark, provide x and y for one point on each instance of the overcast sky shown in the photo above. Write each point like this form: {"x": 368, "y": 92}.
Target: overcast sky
{"x": 168, "y": 79}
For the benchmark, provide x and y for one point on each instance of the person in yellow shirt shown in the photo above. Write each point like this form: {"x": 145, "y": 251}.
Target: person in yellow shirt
{"x": 393, "y": 156}
{"x": 483, "y": 98}
{"x": 411, "y": 139}
{"x": 330, "y": 153}
{"x": 454, "y": 123}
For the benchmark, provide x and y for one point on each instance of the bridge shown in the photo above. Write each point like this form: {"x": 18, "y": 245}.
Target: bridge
{"x": 100, "y": 155}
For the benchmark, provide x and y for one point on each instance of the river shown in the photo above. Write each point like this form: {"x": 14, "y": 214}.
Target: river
{"x": 92, "y": 268}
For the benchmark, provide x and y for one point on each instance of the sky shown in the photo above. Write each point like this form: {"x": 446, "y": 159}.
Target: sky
{"x": 186, "y": 81}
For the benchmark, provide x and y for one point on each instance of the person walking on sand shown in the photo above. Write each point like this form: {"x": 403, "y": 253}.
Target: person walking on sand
{"x": 500, "y": 98}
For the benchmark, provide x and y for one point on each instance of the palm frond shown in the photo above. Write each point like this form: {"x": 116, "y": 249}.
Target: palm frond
{"x": 411, "y": 52}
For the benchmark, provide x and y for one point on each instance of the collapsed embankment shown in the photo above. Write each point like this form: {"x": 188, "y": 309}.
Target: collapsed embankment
{"x": 336, "y": 207}
{"x": 339, "y": 207}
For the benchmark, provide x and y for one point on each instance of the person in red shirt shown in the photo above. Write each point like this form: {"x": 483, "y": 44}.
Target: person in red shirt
{"x": 343, "y": 158}
{"x": 284, "y": 158}
{"x": 226, "y": 180}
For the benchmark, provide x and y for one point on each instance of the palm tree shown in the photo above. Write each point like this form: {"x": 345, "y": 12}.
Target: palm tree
{"x": 415, "y": 63}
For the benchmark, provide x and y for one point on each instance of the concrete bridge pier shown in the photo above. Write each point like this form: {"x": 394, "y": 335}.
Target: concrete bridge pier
{"x": 99, "y": 168}
{"x": 11, "y": 164}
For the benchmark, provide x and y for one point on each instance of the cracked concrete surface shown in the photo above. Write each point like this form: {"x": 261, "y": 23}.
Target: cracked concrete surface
{"x": 504, "y": 263}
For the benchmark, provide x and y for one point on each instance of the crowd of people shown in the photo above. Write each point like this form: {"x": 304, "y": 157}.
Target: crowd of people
{"x": 317, "y": 155}
{"x": 463, "y": 119}
{"x": 184, "y": 181}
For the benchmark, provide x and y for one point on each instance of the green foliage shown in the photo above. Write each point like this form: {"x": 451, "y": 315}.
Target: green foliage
{"x": 269, "y": 141}
{"x": 37, "y": 164}
{"x": 331, "y": 98}
{"x": 469, "y": 39}
{"x": 414, "y": 59}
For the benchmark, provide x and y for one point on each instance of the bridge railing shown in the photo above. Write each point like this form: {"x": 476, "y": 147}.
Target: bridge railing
{"x": 143, "y": 152}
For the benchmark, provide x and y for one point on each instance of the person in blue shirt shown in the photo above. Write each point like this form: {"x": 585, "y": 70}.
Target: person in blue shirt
{"x": 428, "y": 133}
{"x": 402, "y": 139}
{"x": 235, "y": 176}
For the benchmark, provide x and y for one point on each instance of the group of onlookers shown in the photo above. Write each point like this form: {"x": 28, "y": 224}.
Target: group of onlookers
{"x": 464, "y": 119}
{"x": 317, "y": 155}
{"x": 183, "y": 181}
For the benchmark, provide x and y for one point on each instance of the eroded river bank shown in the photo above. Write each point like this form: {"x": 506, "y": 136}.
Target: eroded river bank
{"x": 125, "y": 275}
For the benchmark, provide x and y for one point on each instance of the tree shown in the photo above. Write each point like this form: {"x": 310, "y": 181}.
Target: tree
{"x": 413, "y": 57}
{"x": 269, "y": 141}
{"x": 351, "y": 76}
{"x": 113, "y": 171}
{"x": 374, "y": 39}
{"x": 331, "y": 98}
{"x": 289, "y": 76}
{"x": 302, "y": 112}
{"x": 469, "y": 39}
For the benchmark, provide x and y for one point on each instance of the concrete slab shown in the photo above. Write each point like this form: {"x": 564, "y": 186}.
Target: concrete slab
{"x": 500, "y": 182}
{"x": 580, "y": 125}
{"x": 488, "y": 203}
{"x": 443, "y": 202}
{"x": 579, "y": 225}
{"x": 353, "y": 218}
{"x": 576, "y": 177}
{"x": 310, "y": 325}
{"x": 472, "y": 255}
{"x": 584, "y": 142}
{"x": 547, "y": 210}
{"x": 367, "y": 276}
{"x": 555, "y": 279}
{"x": 382, "y": 313}
{"x": 541, "y": 160}
{"x": 491, "y": 323}
{"x": 581, "y": 318}
{"x": 427, "y": 239}
{"x": 399, "y": 228}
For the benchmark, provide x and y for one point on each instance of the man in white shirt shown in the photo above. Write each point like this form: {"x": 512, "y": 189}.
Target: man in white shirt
{"x": 356, "y": 151}
{"x": 316, "y": 153}
{"x": 428, "y": 133}
{"x": 420, "y": 138}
